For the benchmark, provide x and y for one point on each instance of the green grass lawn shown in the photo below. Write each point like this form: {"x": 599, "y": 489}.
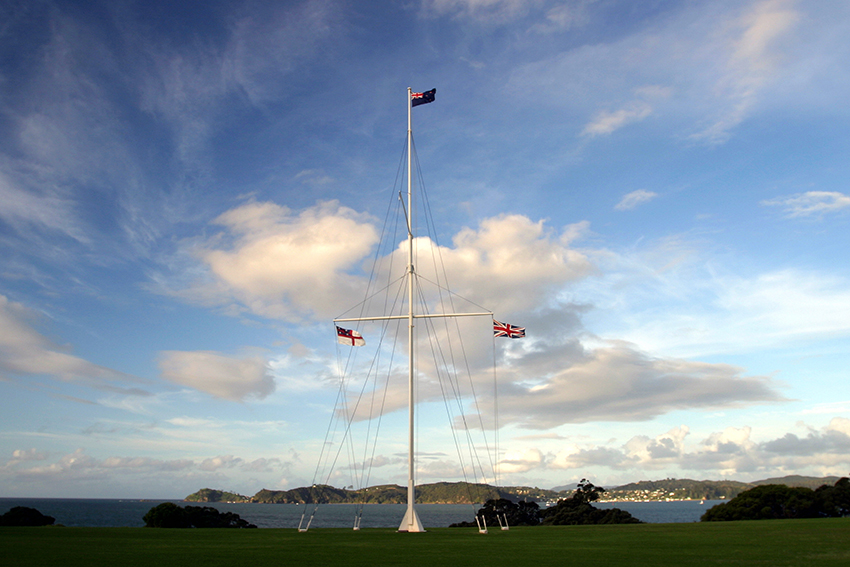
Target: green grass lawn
{"x": 773, "y": 543}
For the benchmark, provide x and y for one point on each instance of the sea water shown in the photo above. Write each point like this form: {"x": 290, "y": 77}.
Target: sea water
{"x": 129, "y": 513}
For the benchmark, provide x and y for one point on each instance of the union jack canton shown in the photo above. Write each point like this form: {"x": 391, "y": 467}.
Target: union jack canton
{"x": 507, "y": 330}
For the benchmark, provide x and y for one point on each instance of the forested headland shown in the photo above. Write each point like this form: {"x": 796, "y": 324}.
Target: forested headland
{"x": 471, "y": 493}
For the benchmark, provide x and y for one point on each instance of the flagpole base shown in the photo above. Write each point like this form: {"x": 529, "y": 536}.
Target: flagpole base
{"x": 411, "y": 522}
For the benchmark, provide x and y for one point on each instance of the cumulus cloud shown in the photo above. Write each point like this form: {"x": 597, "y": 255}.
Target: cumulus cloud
{"x": 521, "y": 461}
{"x": 659, "y": 451}
{"x": 262, "y": 465}
{"x": 576, "y": 457}
{"x": 219, "y": 375}
{"x": 635, "y": 198}
{"x": 26, "y": 455}
{"x": 833, "y": 439}
{"x": 223, "y": 461}
{"x": 25, "y": 351}
{"x": 281, "y": 264}
{"x": 513, "y": 263}
{"x": 277, "y": 262}
{"x": 439, "y": 469}
{"x": 811, "y": 203}
{"x": 78, "y": 465}
{"x": 620, "y": 383}
{"x": 730, "y": 453}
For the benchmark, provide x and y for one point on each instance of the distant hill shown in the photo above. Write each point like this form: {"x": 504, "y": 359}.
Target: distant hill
{"x": 212, "y": 495}
{"x": 796, "y": 480}
{"x": 436, "y": 493}
{"x": 677, "y": 489}
{"x": 687, "y": 489}
{"x": 471, "y": 493}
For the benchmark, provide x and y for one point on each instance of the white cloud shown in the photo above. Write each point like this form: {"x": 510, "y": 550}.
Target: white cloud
{"x": 709, "y": 67}
{"x": 635, "y": 198}
{"x": 26, "y": 455}
{"x": 647, "y": 97}
{"x": 811, "y": 203}
{"x": 217, "y": 374}
{"x": 482, "y": 10}
{"x": 513, "y": 263}
{"x": 681, "y": 302}
{"x": 80, "y": 466}
{"x": 190, "y": 85}
{"x": 25, "y": 209}
{"x": 223, "y": 461}
{"x": 658, "y": 452}
{"x": 617, "y": 383}
{"x": 832, "y": 439}
{"x": 606, "y": 122}
{"x": 510, "y": 262}
{"x": 731, "y": 453}
{"x": 521, "y": 461}
{"x": 314, "y": 177}
{"x": 282, "y": 265}
{"x": 24, "y": 351}
{"x": 564, "y": 17}
{"x": 263, "y": 465}
{"x": 754, "y": 57}
{"x": 575, "y": 457}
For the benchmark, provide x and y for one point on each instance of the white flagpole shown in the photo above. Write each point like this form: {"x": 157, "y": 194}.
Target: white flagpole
{"x": 411, "y": 522}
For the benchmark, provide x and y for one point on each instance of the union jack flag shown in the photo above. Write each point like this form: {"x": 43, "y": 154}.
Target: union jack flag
{"x": 507, "y": 330}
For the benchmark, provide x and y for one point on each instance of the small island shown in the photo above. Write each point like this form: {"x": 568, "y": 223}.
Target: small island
{"x": 212, "y": 495}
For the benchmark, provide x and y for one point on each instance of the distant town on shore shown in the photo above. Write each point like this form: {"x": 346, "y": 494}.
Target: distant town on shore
{"x": 670, "y": 489}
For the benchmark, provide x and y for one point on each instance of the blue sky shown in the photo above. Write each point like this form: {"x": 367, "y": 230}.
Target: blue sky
{"x": 656, "y": 190}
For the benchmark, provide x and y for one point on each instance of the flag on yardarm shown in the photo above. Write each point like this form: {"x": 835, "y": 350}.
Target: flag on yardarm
{"x": 422, "y": 98}
{"x": 348, "y": 337}
{"x": 507, "y": 330}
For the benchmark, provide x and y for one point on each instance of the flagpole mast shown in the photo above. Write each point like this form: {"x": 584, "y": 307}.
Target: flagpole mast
{"x": 411, "y": 522}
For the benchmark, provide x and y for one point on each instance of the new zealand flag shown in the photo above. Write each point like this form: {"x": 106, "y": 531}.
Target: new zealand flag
{"x": 422, "y": 98}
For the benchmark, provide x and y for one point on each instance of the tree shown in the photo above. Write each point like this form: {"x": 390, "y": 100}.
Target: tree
{"x": 23, "y": 516}
{"x": 834, "y": 500}
{"x": 170, "y": 515}
{"x": 777, "y": 501}
{"x": 767, "y": 502}
{"x": 166, "y": 515}
{"x": 573, "y": 511}
{"x": 577, "y": 509}
{"x": 587, "y": 492}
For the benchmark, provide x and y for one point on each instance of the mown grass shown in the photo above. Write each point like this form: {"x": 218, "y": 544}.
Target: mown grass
{"x": 774, "y": 543}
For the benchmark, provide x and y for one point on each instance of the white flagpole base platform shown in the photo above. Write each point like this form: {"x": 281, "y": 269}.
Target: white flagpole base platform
{"x": 411, "y": 522}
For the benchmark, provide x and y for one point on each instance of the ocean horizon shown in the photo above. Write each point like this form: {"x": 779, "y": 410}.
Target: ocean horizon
{"x": 109, "y": 512}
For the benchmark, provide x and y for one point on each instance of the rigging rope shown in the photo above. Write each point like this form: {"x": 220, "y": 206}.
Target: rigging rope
{"x": 445, "y": 360}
